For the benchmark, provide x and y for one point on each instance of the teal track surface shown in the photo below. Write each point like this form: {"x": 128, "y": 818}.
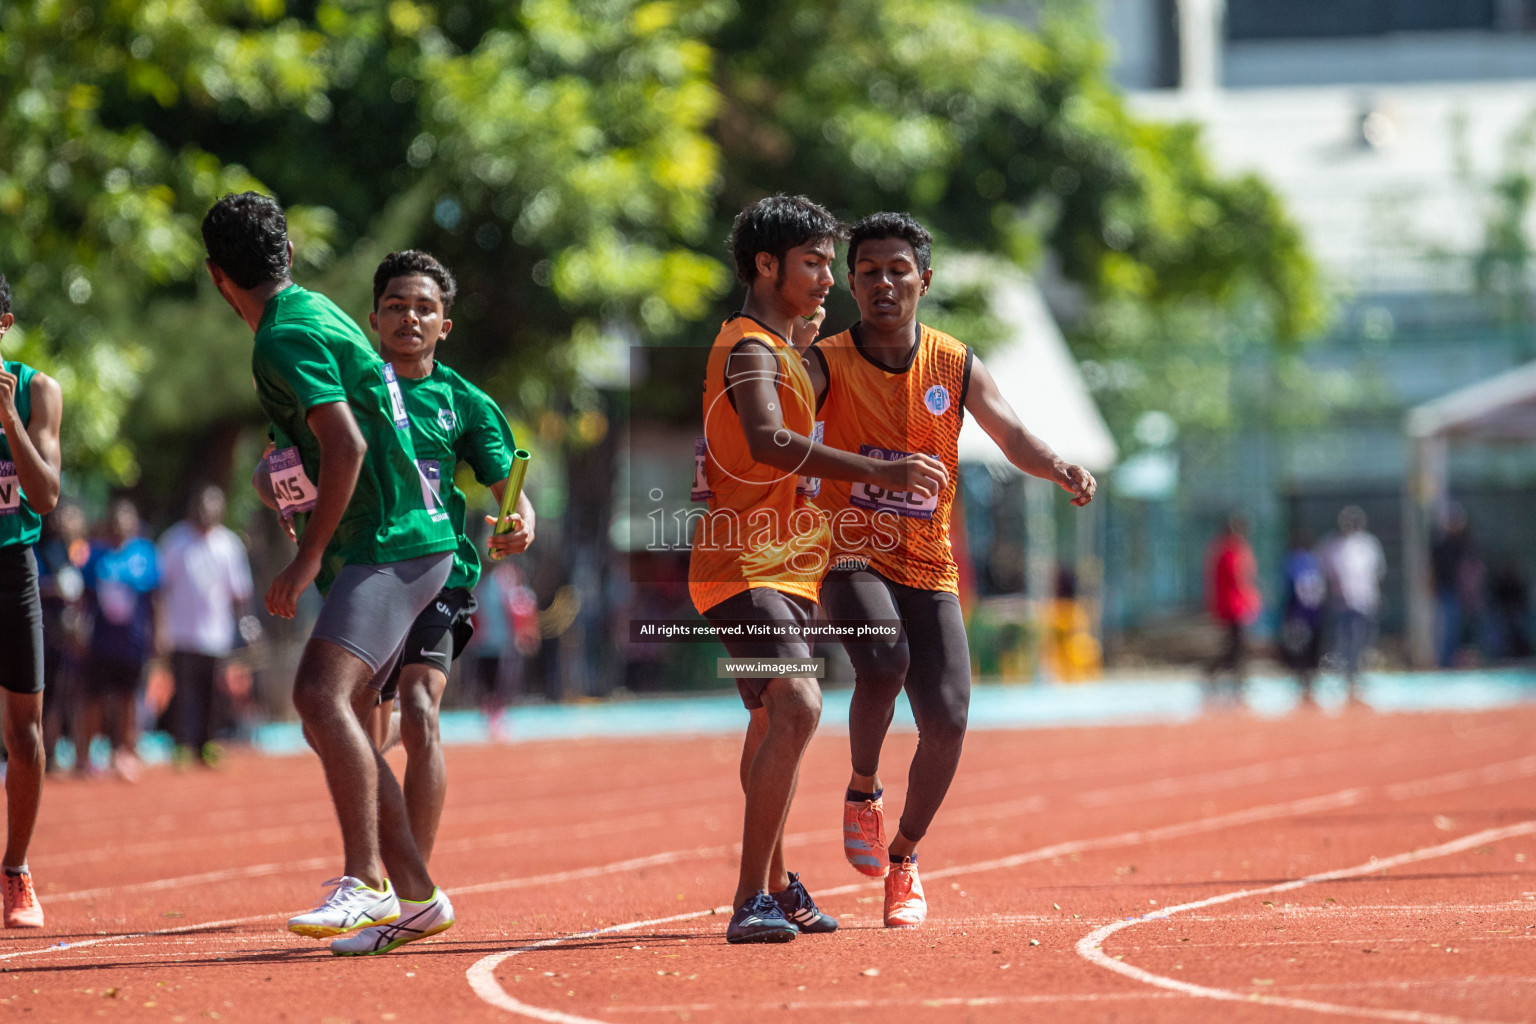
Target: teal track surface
{"x": 993, "y": 706}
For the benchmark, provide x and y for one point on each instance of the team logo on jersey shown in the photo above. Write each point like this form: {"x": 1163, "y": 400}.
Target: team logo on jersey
{"x": 937, "y": 399}
{"x": 446, "y": 418}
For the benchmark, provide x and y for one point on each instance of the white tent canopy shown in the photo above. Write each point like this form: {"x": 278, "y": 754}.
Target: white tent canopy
{"x": 1501, "y": 408}
{"x": 1037, "y": 373}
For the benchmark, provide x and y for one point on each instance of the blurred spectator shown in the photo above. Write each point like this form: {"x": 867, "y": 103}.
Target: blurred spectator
{"x": 1301, "y": 621}
{"x": 1235, "y": 603}
{"x": 1457, "y": 572}
{"x": 121, "y": 579}
{"x": 61, "y": 555}
{"x": 506, "y": 631}
{"x": 1509, "y": 614}
{"x": 1355, "y": 566}
{"x": 1070, "y": 652}
{"x": 206, "y": 582}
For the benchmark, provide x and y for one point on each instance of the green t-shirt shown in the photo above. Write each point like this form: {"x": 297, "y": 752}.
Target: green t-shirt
{"x": 19, "y": 522}
{"x": 453, "y": 422}
{"x": 308, "y": 353}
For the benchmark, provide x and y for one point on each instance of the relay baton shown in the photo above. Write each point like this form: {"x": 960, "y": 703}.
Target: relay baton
{"x": 509, "y": 496}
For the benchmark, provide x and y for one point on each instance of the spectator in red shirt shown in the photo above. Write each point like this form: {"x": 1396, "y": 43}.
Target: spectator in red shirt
{"x": 1235, "y": 603}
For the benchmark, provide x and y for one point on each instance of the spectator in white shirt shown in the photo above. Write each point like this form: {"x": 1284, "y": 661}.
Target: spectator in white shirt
{"x": 206, "y": 581}
{"x": 1356, "y": 566}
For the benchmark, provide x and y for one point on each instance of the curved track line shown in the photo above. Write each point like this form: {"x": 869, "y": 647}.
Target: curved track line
{"x": 482, "y": 974}
{"x": 1090, "y": 946}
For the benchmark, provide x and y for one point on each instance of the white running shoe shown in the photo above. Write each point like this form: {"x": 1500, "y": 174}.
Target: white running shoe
{"x": 351, "y": 904}
{"x": 416, "y": 921}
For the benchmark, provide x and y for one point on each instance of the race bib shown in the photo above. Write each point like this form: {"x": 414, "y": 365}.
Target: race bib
{"x": 431, "y": 473}
{"x": 701, "y": 491}
{"x": 876, "y": 498}
{"x": 810, "y": 486}
{"x": 290, "y": 484}
{"x": 396, "y": 399}
{"x": 10, "y": 489}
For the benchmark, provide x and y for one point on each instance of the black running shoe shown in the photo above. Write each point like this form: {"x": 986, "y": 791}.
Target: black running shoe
{"x": 802, "y": 911}
{"x": 760, "y": 920}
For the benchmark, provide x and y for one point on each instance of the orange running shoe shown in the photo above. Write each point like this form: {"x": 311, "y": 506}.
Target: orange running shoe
{"x": 905, "y": 905}
{"x": 864, "y": 836}
{"x": 21, "y": 907}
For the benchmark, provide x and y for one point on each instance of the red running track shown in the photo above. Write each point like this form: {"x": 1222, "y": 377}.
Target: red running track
{"x": 1365, "y": 866}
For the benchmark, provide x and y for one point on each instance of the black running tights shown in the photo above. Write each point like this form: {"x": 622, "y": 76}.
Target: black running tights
{"x": 930, "y": 659}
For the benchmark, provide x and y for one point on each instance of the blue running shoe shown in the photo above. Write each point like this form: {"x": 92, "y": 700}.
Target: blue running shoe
{"x": 760, "y": 920}
{"x": 802, "y": 911}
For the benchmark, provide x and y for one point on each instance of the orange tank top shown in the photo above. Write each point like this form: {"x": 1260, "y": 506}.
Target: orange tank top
{"x": 759, "y": 530}
{"x": 889, "y": 412}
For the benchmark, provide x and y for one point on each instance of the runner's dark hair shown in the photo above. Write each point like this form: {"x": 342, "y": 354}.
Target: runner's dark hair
{"x": 892, "y": 225}
{"x": 775, "y": 225}
{"x": 246, "y": 236}
{"x": 411, "y": 263}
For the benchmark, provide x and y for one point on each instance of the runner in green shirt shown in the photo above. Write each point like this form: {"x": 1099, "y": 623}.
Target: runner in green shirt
{"x": 452, "y": 421}
{"x": 368, "y": 532}
{"x": 30, "y": 411}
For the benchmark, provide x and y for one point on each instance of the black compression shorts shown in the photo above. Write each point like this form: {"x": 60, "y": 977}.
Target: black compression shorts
{"x": 21, "y": 621}
{"x": 762, "y": 605}
{"x": 437, "y": 637}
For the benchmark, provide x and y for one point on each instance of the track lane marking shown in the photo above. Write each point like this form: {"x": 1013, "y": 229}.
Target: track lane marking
{"x": 688, "y": 790}
{"x": 1025, "y": 805}
{"x": 1091, "y": 946}
{"x": 482, "y": 978}
{"x": 926, "y": 1004}
{"x": 482, "y": 974}
{"x": 102, "y": 939}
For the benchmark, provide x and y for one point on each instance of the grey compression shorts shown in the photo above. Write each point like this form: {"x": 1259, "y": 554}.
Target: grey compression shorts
{"x": 370, "y": 608}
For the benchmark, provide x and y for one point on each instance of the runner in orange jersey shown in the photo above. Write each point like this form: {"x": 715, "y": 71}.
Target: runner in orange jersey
{"x": 890, "y": 386}
{"x": 759, "y": 554}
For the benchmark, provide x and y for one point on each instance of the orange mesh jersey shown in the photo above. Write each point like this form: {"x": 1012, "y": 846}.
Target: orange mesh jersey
{"x": 890, "y": 412}
{"x": 758, "y": 532}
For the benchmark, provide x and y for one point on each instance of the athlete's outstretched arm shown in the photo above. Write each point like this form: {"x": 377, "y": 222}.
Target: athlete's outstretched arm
{"x": 34, "y": 450}
{"x": 751, "y": 373}
{"x": 984, "y": 400}
{"x": 341, "y": 460}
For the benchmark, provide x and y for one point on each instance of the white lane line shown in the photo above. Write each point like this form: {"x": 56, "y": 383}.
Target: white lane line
{"x": 206, "y": 877}
{"x": 64, "y": 947}
{"x": 1521, "y": 768}
{"x": 482, "y": 975}
{"x": 935, "y": 1004}
{"x": 1136, "y": 837}
{"x": 1028, "y": 805}
{"x": 1090, "y": 947}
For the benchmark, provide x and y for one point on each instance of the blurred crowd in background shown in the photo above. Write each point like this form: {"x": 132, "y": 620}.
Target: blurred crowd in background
{"x": 1276, "y": 255}
{"x": 168, "y": 635}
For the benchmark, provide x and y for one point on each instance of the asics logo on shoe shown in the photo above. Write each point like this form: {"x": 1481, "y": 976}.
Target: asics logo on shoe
{"x": 430, "y": 918}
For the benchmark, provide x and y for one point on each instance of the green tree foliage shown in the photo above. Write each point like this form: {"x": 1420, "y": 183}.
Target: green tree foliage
{"x": 576, "y": 162}
{"x": 100, "y": 211}
{"x": 1013, "y": 141}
